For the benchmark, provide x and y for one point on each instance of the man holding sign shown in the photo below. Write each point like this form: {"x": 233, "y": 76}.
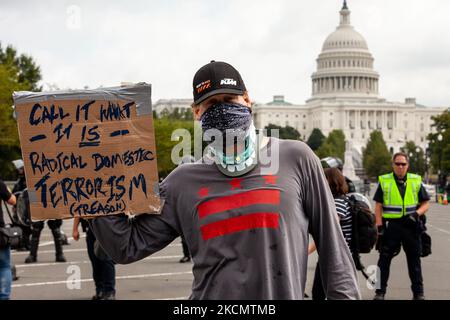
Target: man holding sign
{"x": 246, "y": 221}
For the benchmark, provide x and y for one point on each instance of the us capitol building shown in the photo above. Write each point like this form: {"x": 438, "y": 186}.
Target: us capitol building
{"x": 344, "y": 96}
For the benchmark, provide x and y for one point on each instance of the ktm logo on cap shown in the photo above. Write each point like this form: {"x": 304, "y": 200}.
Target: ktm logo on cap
{"x": 203, "y": 86}
{"x": 228, "y": 81}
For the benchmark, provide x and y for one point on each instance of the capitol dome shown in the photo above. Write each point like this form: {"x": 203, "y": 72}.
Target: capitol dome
{"x": 345, "y": 65}
{"x": 345, "y": 37}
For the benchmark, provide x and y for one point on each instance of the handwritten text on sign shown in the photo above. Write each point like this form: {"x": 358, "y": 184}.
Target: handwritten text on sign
{"x": 88, "y": 157}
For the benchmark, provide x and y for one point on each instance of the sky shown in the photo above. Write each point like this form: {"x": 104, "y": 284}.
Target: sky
{"x": 273, "y": 43}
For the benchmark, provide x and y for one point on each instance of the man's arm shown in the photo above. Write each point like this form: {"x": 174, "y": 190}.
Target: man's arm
{"x": 378, "y": 198}
{"x": 423, "y": 207}
{"x": 379, "y": 224}
{"x": 337, "y": 268}
{"x": 12, "y": 200}
{"x": 127, "y": 240}
{"x": 75, "y": 232}
{"x": 5, "y": 195}
{"x": 311, "y": 248}
{"x": 378, "y": 214}
{"x": 424, "y": 201}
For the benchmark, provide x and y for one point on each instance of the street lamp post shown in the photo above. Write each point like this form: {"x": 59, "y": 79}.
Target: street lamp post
{"x": 440, "y": 182}
{"x": 427, "y": 157}
{"x": 412, "y": 162}
{"x": 439, "y": 137}
{"x": 419, "y": 160}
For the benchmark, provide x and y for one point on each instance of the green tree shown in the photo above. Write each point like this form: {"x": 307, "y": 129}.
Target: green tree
{"x": 287, "y": 132}
{"x": 439, "y": 143}
{"x": 376, "y": 156}
{"x": 164, "y": 127}
{"x": 316, "y": 139}
{"x": 416, "y": 157}
{"x": 178, "y": 114}
{"x": 333, "y": 146}
{"x": 16, "y": 73}
{"x": 188, "y": 115}
{"x": 26, "y": 72}
{"x": 8, "y": 127}
{"x": 175, "y": 114}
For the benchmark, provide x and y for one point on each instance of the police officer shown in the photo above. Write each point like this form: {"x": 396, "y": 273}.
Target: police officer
{"x": 21, "y": 183}
{"x": 18, "y": 188}
{"x": 36, "y": 228}
{"x": 401, "y": 201}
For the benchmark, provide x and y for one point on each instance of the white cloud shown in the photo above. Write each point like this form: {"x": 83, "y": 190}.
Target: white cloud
{"x": 274, "y": 44}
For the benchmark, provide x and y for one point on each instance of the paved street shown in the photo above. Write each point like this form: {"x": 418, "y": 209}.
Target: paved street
{"x": 162, "y": 277}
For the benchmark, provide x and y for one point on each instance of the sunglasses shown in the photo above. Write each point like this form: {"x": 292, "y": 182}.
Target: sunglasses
{"x": 401, "y": 164}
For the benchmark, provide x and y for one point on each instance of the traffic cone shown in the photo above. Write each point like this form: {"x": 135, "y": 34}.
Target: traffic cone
{"x": 445, "y": 200}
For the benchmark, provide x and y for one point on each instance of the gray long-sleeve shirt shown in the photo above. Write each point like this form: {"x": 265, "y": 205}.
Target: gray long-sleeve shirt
{"x": 248, "y": 236}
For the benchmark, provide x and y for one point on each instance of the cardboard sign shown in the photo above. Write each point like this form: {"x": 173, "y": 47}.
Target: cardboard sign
{"x": 88, "y": 153}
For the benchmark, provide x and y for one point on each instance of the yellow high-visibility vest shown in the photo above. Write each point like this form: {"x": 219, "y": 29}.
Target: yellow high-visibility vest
{"x": 394, "y": 206}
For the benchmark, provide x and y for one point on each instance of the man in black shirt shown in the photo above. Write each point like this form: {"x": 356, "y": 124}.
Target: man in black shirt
{"x": 5, "y": 254}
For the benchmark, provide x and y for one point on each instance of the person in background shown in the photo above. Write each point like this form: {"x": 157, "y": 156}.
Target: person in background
{"x": 36, "y": 229}
{"x": 339, "y": 189}
{"x": 5, "y": 253}
{"x": 21, "y": 183}
{"x": 103, "y": 268}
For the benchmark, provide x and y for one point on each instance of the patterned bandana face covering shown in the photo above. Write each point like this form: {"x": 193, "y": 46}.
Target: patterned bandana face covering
{"x": 226, "y": 116}
{"x": 230, "y": 119}
{"x": 235, "y": 121}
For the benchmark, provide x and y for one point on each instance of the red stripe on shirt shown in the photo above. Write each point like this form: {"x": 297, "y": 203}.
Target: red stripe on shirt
{"x": 238, "y": 200}
{"x": 236, "y": 224}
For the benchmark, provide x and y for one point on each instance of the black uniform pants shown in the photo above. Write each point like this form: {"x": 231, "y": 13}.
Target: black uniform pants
{"x": 185, "y": 247}
{"x": 401, "y": 233}
{"x": 103, "y": 271}
{"x": 54, "y": 225}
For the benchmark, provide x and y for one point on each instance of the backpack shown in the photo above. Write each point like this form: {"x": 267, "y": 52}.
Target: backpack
{"x": 364, "y": 229}
{"x": 425, "y": 239}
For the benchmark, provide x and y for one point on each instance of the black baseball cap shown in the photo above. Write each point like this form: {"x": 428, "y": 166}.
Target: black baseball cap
{"x": 214, "y": 78}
